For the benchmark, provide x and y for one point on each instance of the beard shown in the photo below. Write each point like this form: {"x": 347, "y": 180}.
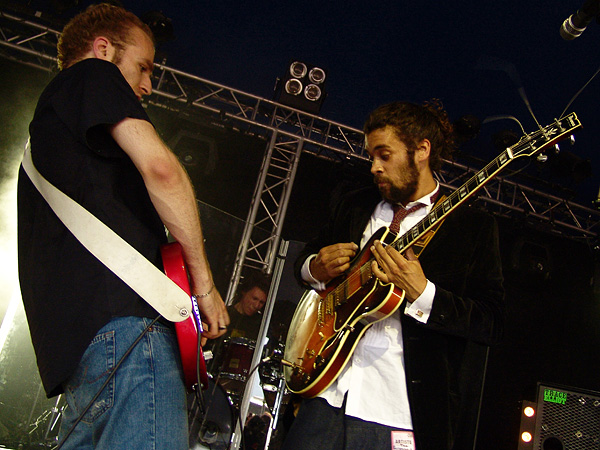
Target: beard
{"x": 402, "y": 193}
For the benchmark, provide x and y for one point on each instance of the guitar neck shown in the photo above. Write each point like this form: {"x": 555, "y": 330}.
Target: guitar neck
{"x": 441, "y": 210}
{"x": 528, "y": 145}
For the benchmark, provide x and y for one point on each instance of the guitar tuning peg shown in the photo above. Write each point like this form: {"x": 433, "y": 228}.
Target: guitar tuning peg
{"x": 542, "y": 158}
{"x": 556, "y": 149}
{"x": 572, "y": 139}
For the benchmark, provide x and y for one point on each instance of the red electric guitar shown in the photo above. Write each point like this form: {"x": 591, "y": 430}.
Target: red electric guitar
{"x": 192, "y": 358}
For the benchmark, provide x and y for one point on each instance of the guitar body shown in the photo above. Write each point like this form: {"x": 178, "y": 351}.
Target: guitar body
{"x": 327, "y": 325}
{"x": 192, "y": 358}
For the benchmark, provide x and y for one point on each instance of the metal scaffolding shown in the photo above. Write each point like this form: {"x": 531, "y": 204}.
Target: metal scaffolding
{"x": 290, "y": 133}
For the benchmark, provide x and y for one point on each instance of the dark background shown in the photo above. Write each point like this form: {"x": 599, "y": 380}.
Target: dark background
{"x": 479, "y": 58}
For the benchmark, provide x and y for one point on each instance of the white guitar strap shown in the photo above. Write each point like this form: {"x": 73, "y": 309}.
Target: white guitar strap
{"x": 113, "y": 251}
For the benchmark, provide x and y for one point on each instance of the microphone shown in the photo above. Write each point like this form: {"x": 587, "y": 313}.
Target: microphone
{"x": 577, "y": 23}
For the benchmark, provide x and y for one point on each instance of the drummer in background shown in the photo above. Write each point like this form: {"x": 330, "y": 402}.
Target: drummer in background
{"x": 245, "y": 319}
{"x": 246, "y": 313}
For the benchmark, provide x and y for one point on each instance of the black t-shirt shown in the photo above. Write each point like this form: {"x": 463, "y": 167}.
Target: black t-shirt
{"x": 68, "y": 294}
{"x": 243, "y": 326}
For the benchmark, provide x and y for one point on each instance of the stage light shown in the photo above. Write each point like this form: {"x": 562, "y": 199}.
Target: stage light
{"x": 527, "y": 428}
{"x": 316, "y": 75}
{"x": 302, "y": 87}
{"x": 293, "y": 86}
{"x": 161, "y": 26}
{"x": 529, "y": 411}
{"x": 298, "y": 69}
{"x": 312, "y": 92}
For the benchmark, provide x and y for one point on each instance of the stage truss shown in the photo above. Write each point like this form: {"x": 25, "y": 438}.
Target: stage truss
{"x": 291, "y": 133}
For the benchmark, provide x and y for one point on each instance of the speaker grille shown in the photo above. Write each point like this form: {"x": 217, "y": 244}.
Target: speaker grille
{"x": 567, "y": 419}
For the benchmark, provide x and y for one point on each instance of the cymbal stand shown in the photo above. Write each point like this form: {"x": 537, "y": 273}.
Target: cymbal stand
{"x": 275, "y": 411}
{"x": 56, "y": 413}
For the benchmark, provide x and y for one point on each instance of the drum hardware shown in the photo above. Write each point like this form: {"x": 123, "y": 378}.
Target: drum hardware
{"x": 211, "y": 418}
{"x": 281, "y": 392}
{"x": 54, "y": 417}
{"x": 233, "y": 358}
{"x": 273, "y": 384}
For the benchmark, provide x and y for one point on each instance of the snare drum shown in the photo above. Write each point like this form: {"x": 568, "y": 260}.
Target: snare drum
{"x": 236, "y": 364}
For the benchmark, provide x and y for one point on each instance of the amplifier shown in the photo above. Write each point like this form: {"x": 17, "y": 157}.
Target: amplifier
{"x": 566, "y": 419}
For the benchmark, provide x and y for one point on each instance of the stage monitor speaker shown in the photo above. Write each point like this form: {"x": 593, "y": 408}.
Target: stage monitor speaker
{"x": 567, "y": 418}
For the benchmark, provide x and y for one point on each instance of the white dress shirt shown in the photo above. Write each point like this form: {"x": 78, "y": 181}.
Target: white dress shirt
{"x": 374, "y": 377}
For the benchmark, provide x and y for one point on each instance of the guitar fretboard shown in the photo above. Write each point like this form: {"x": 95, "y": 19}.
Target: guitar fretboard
{"x": 527, "y": 146}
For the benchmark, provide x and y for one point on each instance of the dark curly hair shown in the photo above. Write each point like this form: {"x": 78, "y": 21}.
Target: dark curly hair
{"x": 112, "y": 22}
{"x": 254, "y": 279}
{"x": 413, "y": 123}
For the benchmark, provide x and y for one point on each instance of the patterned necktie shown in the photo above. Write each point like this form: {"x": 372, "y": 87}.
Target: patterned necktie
{"x": 400, "y": 213}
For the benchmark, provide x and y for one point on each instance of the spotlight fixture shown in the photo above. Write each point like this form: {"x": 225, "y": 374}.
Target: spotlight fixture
{"x": 293, "y": 86}
{"x": 161, "y": 26}
{"x": 312, "y": 92}
{"x": 298, "y": 69}
{"x": 316, "y": 75}
{"x": 302, "y": 87}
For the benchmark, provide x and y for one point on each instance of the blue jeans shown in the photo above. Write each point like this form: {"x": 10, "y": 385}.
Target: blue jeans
{"x": 320, "y": 426}
{"x": 143, "y": 407}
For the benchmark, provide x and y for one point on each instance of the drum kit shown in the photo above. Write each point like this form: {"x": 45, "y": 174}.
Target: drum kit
{"x": 214, "y": 413}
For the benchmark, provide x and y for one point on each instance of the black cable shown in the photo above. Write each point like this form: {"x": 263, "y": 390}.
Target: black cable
{"x": 110, "y": 376}
{"x": 239, "y": 416}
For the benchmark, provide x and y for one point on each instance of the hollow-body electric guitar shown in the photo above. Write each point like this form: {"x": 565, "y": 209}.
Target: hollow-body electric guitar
{"x": 192, "y": 358}
{"x": 327, "y": 325}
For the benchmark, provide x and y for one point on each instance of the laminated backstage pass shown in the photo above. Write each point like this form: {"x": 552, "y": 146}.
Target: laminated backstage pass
{"x": 403, "y": 440}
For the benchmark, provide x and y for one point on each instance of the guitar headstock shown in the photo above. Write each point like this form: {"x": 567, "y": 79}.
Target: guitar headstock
{"x": 534, "y": 143}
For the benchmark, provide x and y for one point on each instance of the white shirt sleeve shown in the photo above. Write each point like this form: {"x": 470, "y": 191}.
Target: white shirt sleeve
{"x": 420, "y": 309}
{"x": 307, "y": 276}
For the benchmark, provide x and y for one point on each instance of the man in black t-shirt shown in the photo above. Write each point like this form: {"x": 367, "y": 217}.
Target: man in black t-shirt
{"x": 91, "y": 138}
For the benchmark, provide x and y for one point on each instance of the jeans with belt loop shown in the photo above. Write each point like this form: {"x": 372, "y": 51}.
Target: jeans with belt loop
{"x": 143, "y": 407}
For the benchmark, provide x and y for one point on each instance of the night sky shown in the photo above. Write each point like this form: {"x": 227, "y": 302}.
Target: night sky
{"x": 479, "y": 58}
